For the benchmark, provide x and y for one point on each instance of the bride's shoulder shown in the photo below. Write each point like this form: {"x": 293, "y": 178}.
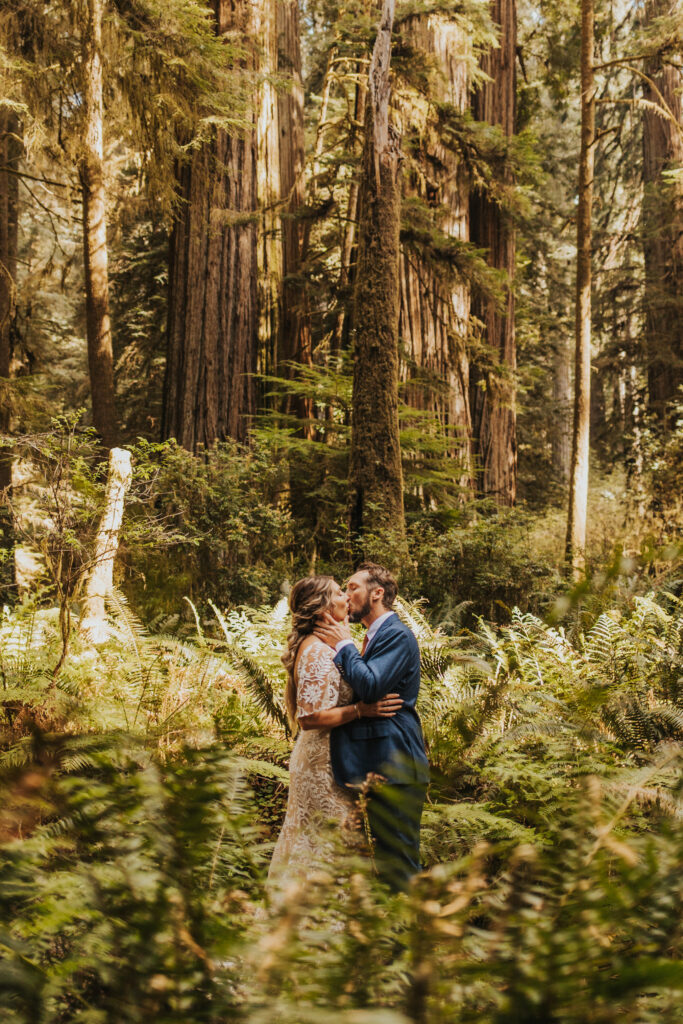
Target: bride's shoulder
{"x": 312, "y": 651}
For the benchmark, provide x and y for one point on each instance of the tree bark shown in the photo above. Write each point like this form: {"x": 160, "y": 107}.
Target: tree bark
{"x": 101, "y": 578}
{"x": 578, "y": 482}
{"x": 10, "y": 152}
{"x": 662, "y": 226}
{"x": 376, "y": 480}
{"x": 295, "y": 324}
{"x": 434, "y": 317}
{"x": 268, "y": 191}
{"x": 95, "y": 253}
{"x": 492, "y": 391}
{"x": 209, "y": 389}
{"x": 562, "y": 430}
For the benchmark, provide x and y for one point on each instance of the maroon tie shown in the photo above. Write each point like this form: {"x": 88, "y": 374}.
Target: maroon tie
{"x": 365, "y": 644}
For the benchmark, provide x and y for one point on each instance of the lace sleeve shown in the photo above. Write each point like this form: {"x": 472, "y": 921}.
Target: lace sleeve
{"x": 318, "y": 681}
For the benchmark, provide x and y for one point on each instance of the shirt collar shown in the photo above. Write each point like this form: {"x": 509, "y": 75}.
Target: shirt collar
{"x": 373, "y": 627}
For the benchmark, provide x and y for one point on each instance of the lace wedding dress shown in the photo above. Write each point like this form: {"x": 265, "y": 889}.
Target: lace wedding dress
{"x": 315, "y": 800}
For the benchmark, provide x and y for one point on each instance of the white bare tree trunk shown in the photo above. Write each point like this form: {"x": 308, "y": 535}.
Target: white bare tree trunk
{"x": 101, "y": 578}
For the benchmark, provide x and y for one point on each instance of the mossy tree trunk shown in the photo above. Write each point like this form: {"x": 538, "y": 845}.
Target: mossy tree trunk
{"x": 376, "y": 480}
{"x": 492, "y": 391}
{"x": 212, "y": 324}
{"x": 95, "y": 252}
{"x": 662, "y": 223}
{"x": 578, "y": 480}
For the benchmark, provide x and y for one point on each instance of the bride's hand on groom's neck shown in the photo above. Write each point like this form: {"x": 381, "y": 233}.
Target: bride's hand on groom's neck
{"x": 331, "y": 631}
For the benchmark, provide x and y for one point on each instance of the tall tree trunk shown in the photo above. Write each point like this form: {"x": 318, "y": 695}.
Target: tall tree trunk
{"x": 295, "y": 324}
{"x": 268, "y": 189}
{"x": 376, "y": 480}
{"x": 578, "y": 482}
{"x": 10, "y": 151}
{"x": 562, "y": 430}
{"x": 434, "y": 316}
{"x": 212, "y": 324}
{"x": 351, "y": 224}
{"x": 663, "y": 226}
{"x": 92, "y": 174}
{"x": 492, "y": 391}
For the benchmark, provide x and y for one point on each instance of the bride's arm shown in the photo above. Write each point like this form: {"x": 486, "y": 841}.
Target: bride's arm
{"x": 318, "y": 693}
{"x": 332, "y": 717}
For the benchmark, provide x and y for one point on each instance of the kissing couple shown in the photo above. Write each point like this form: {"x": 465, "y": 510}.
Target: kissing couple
{"x": 356, "y": 719}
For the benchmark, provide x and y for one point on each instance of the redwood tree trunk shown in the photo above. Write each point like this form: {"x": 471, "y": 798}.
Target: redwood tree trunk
{"x": 98, "y": 326}
{"x": 492, "y": 392}
{"x": 663, "y": 228}
{"x": 295, "y": 326}
{"x": 434, "y": 315}
{"x": 10, "y": 150}
{"x": 376, "y": 482}
{"x": 213, "y": 321}
{"x": 578, "y": 481}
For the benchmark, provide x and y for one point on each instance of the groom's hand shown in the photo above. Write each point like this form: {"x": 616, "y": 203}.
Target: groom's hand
{"x": 331, "y": 631}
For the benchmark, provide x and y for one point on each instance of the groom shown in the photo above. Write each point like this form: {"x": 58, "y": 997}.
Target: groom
{"x": 391, "y": 747}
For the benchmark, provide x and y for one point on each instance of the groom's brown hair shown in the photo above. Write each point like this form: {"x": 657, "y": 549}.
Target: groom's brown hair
{"x": 378, "y": 576}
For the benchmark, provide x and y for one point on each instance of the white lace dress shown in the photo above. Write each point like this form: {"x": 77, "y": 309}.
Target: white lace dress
{"x": 315, "y": 800}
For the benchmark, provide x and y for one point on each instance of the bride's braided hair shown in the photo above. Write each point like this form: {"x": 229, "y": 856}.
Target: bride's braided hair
{"x": 308, "y": 599}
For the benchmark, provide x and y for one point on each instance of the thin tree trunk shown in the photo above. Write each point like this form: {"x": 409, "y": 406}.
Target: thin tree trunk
{"x": 562, "y": 430}
{"x": 492, "y": 391}
{"x": 101, "y": 577}
{"x": 98, "y": 325}
{"x": 578, "y": 482}
{"x": 376, "y": 480}
{"x": 10, "y": 151}
{"x": 213, "y": 324}
{"x": 434, "y": 316}
{"x": 662, "y": 225}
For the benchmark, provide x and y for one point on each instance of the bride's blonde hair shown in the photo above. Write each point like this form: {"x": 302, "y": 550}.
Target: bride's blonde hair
{"x": 308, "y": 599}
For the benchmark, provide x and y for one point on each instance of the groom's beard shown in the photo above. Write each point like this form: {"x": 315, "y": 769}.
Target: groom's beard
{"x": 362, "y": 612}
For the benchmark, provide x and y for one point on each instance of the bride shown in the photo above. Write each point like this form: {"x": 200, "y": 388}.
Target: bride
{"x": 317, "y": 700}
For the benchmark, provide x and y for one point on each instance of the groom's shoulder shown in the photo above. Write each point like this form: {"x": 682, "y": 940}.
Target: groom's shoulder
{"x": 399, "y": 628}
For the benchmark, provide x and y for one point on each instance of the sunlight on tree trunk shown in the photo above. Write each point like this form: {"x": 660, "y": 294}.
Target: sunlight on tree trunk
{"x": 101, "y": 578}
{"x": 578, "y": 482}
{"x": 434, "y": 317}
{"x": 663, "y": 225}
{"x": 98, "y": 325}
{"x": 212, "y": 327}
{"x": 493, "y": 391}
{"x": 295, "y": 325}
{"x": 376, "y": 481}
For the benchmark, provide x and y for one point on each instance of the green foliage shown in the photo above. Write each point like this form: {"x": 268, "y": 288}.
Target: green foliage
{"x": 133, "y": 841}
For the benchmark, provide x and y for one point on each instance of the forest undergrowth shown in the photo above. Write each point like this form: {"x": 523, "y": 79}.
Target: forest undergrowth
{"x": 143, "y": 788}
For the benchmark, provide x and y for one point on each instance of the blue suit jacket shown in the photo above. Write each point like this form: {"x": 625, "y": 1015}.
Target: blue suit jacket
{"x": 393, "y": 747}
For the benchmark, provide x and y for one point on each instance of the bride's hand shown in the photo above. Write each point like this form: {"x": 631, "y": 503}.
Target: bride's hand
{"x": 384, "y": 708}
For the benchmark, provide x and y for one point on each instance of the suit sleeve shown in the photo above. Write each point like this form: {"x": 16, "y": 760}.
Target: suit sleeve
{"x": 381, "y": 675}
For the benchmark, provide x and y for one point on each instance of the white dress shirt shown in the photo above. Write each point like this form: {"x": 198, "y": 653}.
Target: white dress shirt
{"x": 372, "y": 629}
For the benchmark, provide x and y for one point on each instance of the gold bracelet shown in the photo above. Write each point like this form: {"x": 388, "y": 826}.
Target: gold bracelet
{"x": 358, "y": 714}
